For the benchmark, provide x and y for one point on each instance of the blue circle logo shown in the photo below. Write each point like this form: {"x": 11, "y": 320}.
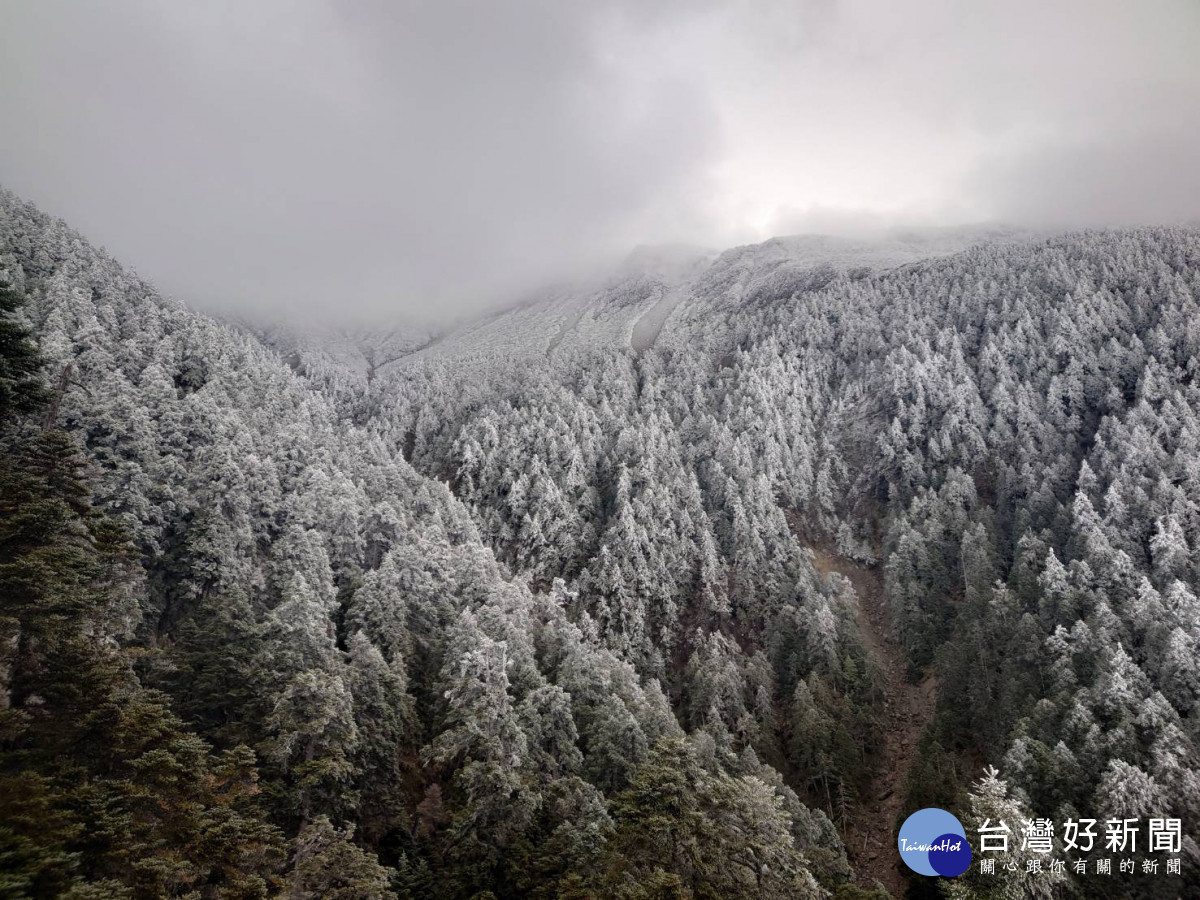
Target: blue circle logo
{"x": 933, "y": 842}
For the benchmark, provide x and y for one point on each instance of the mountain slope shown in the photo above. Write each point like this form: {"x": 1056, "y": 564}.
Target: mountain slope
{"x": 1005, "y": 432}
{"x": 527, "y": 607}
{"x": 298, "y": 588}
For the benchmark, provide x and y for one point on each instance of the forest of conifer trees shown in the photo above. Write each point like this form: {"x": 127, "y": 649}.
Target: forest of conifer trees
{"x": 547, "y": 616}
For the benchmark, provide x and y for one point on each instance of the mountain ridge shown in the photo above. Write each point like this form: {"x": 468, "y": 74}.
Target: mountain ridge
{"x": 487, "y": 620}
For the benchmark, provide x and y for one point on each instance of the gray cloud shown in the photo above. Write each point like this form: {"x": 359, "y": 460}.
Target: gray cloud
{"x": 1122, "y": 167}
{"x": 374, "y": 157}
{"x": 360, "y": 155}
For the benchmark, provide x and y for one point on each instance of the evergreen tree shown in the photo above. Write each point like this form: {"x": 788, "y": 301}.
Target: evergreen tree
{"x": 102, "y": 786}
{"x": 327, "y": 865}
{"x": 21, "y": 388}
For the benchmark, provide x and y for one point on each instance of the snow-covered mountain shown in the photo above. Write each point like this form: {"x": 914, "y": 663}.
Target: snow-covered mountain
{"x": 659, "y": 289}
{"x": 754, "y": 550}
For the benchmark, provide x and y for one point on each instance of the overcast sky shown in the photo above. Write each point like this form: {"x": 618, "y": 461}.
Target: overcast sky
{"x": 376, "y": 157}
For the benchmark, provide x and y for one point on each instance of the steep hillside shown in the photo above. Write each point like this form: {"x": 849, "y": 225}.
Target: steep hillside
{"x": 550, "y": 605}
{"x": 333, "y": 684}
{"x": 630, "y": 306}
{"x": 1005, "y": 434}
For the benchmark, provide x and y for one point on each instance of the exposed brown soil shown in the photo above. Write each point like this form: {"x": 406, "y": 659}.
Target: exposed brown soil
{"x": 906, "y": 709}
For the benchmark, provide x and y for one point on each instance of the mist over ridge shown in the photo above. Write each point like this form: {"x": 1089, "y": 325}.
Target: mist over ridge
{"x": 436, "y": 159}
{"x": 525, "y": 450}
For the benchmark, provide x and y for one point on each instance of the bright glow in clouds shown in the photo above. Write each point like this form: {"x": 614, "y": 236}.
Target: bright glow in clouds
{"x": 425, "y": 157}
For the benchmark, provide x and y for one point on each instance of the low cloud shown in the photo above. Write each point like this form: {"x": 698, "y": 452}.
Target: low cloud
{"x": 374, "y": 159}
